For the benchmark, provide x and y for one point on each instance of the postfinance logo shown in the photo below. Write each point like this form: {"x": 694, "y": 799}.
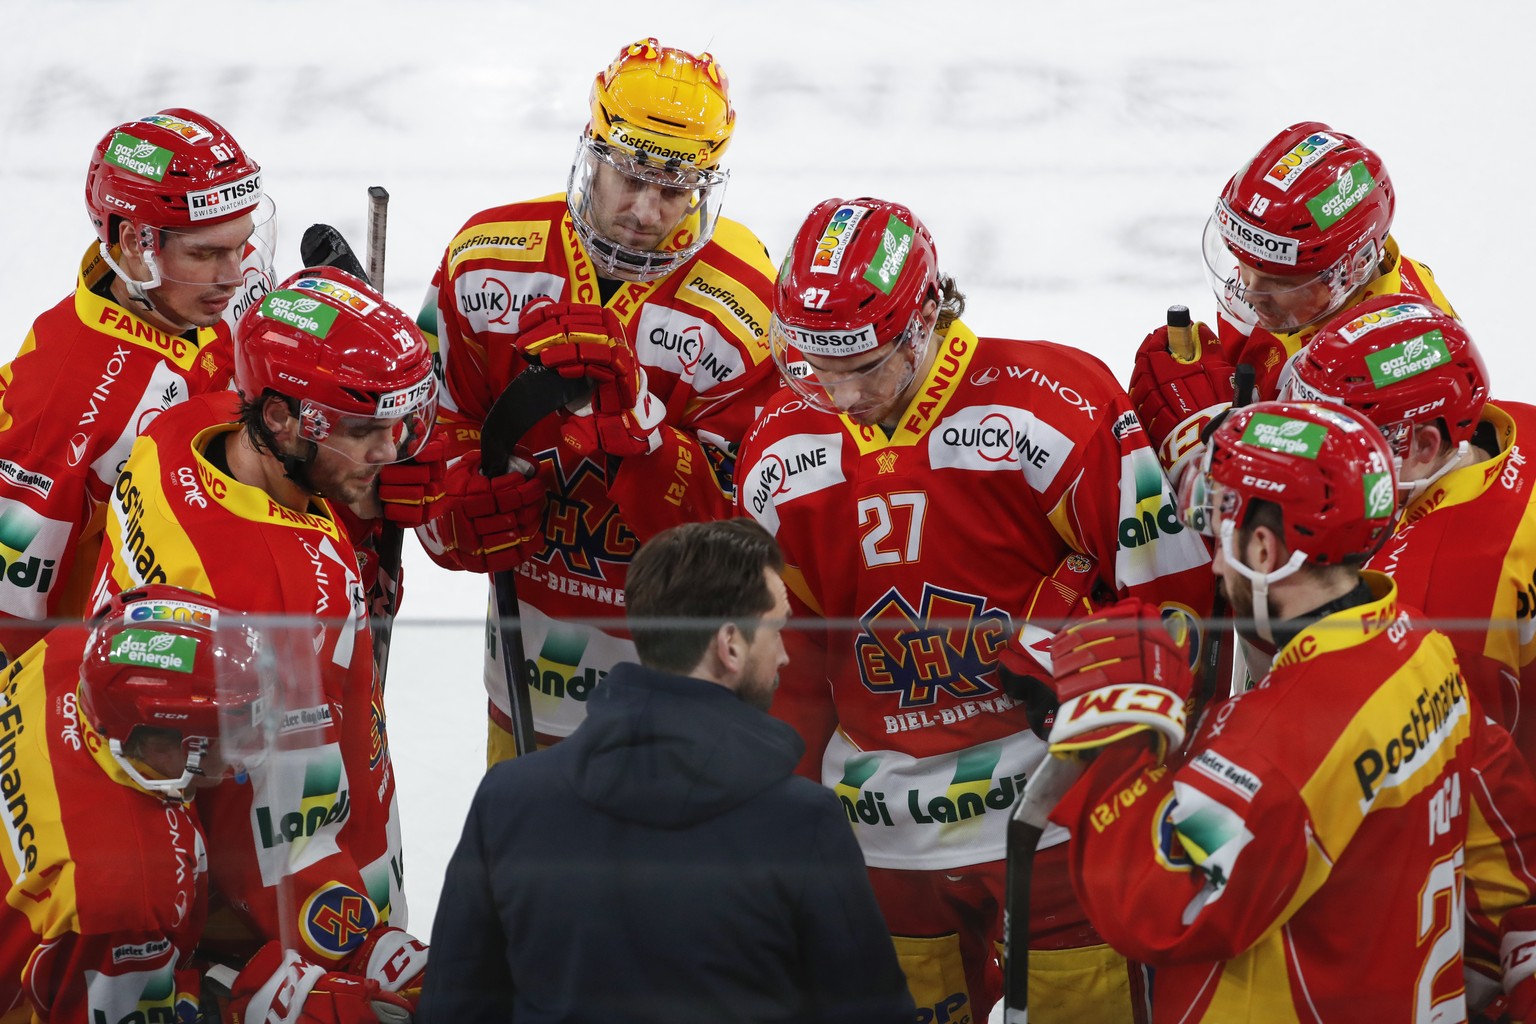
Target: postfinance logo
{"x": 948, "y": 642}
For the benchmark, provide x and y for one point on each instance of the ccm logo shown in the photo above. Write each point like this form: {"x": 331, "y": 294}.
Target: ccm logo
{"x": 1125, "y": 698}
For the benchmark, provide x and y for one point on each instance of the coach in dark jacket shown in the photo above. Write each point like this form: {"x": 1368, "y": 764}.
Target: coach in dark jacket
{"x": 664, "y": 863}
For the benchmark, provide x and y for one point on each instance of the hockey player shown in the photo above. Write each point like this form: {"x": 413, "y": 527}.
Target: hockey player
{"x": 1465, "y": 548}
{"x": 333, "y": 384}
{"x": 177, "y": 205}
{"x": 929, "y": 487}
{"x": 1251, "y": 857}
{"x": 1298, "y": 234}
{"x": 633, "y": 280}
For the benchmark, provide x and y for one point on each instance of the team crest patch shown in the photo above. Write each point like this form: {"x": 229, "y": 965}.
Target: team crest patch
{"x": 1170, "y": 851}
{"x": 336, "y": 919}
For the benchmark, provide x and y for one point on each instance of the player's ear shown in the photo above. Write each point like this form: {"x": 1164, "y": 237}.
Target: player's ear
{"x": 278, "y": 417}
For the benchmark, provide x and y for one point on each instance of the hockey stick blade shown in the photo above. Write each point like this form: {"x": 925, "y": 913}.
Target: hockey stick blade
{"x": 324, "y": 246}
{"x": 532, "y": 395}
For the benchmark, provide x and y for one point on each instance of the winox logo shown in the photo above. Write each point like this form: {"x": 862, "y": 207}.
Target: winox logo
{"x": 948, "y": 642}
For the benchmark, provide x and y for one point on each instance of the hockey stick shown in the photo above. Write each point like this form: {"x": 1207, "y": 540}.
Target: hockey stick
{"x": 532, "y": 395}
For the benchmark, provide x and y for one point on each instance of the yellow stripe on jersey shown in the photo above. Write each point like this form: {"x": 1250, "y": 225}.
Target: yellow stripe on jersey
{"x": 1469, "y": 482}
{"x": 117, "y": 323}
{"x": 249, "y": 502}
{"x": 733, "y": 303}
{"x": 794, "y": 580}
{"x": 1397, "y": 744}
{"x": 137, "y": 559}
{"x": 1255, "y": 986}
{"x": 956, "y": 349}
{"x": 522, "y": 241}
{"x": 36, "y": 851}
{"x": 1346, "y": 629}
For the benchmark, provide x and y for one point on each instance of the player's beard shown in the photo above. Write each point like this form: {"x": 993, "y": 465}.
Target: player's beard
{"x": 1239, "y": 595}
{"x": 337, "y": 478}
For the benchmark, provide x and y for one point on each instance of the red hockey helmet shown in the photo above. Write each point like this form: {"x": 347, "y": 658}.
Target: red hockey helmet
{"x": 175, "y": 172}
{"x": 661, "y": 120}
{"x": 860, "y": 274}
{"x": 1299, "y": 229}
{"x": 1402, "y": 362}
{"x": 334, "y": 345}
{"x": 1327, "y": 467}
{"x": 167, "y": 658}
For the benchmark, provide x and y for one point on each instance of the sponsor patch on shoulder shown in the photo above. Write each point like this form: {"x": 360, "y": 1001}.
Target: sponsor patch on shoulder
{"x": 336, "y": 919}
{"x": 1227, "y": 773}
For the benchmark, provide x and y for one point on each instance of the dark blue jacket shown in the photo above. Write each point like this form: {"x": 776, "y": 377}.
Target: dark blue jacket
{"x": 664, "y": 863}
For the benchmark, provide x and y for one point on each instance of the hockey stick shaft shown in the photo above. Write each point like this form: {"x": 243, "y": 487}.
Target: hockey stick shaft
{"x": 1022, "y": 840}
{"x": 532, "y": 395}
{"x": 391, "y": 536}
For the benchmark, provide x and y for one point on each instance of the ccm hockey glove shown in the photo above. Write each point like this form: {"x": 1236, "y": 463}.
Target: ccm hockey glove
{"x": 1117, "y": 674}
{"x": 396, "y": 959}
{"x": 488, "y": 524}
{"x": 412, "y": 491}
{"x": 1175, "y": 400}
{"x": 279, "y": 987}
{"x": 589, "y": 341}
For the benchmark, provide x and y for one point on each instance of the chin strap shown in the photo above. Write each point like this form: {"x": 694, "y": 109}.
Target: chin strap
{"x": 1409, "y": 491}
{"x": 174, "y": 788}
{"x": 1260, "y": 580}
{"x": 138, "y": 291}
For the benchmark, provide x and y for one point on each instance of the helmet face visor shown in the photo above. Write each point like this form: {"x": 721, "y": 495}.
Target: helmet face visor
{"x": 641, "y": 217}
{"x": 871, "y": 382}
{"x": 391, "y": 435}
{"x": 1279, "y": 302}
{"x": 226, "y": 254}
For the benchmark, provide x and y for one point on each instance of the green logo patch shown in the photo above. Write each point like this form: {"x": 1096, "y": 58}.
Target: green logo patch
{"x": 142, "y": 158}
{"x": 1342, "y": 196}
{"x": 1408, "y": 359}
{"x": 1380, "y": 500}
{"x": 895, "y": 244}
{"x": 296, "y": 309}
{"x": 1285, "y": 435}
{"x": 148, "y": 648}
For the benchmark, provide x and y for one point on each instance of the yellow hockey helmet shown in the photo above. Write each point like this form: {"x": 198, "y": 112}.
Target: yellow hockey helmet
{"x": 656, "y": 101}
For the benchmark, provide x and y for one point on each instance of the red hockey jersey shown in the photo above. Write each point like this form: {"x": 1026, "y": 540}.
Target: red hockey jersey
{"x": 921, "y": 548}
{"x": 107, "y": 887}
{"x": 319, "y": 816}
{"x": 1465, "y": 553}
{"x": 700, "y": 334}
{"x": 1313, "y": 852}
{"x": 88, "y": 379}
{"x": 1268, "y": 353}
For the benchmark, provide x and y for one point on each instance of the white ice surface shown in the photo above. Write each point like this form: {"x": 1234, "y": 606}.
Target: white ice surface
{"x": 1064, "y": 155}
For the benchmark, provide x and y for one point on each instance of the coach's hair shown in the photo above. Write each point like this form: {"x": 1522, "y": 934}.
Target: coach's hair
{"x": 688, "y": 581}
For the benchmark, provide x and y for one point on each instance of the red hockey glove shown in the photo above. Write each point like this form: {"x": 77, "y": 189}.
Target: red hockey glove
{"x": 488, "y": 524}
{"x": 396, "y": 959}
{"x": 1517, "y": 956}
{"x": 1118, "y": 674}
{"x": 589, "y": 341}
{"x": 412, "y": 491}
{"x": 1175, "y": 400}
{"x": 1024, "y": 665}
{"x": 279, "y": 987}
